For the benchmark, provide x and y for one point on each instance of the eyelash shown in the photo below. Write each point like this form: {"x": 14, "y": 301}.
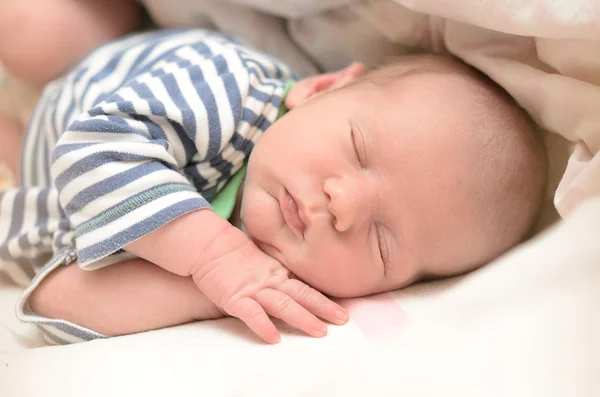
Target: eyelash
{"x": 379, "y": 242}
{"x": 355, "y": 146}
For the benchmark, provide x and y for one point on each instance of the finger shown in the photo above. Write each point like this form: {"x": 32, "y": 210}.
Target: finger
{"x": 314, "y": 301}
{"x": 280, "y": 305}
{"x": 254, "y": 316}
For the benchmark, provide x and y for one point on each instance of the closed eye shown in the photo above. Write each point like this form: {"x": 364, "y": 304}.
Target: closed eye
{"x": 381, "y": 246}
{"x": 355, "y": 145}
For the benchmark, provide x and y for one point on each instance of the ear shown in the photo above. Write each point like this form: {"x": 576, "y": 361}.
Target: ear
{"x": 310, "y": 87}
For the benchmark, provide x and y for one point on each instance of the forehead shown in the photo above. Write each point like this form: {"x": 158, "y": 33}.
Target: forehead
{"x": 415, "y": 135}
{"x": 417, "y": 114}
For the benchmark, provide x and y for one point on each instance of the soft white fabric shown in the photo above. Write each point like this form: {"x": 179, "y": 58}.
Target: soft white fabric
{"x": 527, "y": 325}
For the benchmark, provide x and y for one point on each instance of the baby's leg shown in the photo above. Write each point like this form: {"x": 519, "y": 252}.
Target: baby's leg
{"x": 124, "y": 298}
{"x": 10, "y": 147}
{"x": 40, "y": 41}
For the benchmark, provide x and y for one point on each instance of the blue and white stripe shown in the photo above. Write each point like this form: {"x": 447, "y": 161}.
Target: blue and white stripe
{"x": 144, "y": 130}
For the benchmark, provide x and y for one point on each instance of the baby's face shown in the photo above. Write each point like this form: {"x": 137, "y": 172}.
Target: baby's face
{"x": 357, "y": 191}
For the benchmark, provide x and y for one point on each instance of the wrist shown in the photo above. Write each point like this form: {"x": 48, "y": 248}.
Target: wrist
{"x": 184, "y": 244}
{"x": 227, "y": 239}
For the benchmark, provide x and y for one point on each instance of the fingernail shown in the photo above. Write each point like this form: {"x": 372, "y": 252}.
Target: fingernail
{"x": 321, "y": 329}
{"x": 341, "y": 315}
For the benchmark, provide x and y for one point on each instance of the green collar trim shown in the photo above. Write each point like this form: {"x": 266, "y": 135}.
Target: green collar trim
{"x": 224, "y": 201}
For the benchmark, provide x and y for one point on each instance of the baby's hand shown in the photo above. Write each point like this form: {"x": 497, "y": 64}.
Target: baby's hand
{"x": 248, "y": 284}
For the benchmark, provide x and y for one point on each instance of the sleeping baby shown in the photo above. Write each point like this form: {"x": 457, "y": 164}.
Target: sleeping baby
{"x": 175, "y": 176}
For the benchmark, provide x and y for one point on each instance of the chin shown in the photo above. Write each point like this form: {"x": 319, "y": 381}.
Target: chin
{"x": 273, "y": 252}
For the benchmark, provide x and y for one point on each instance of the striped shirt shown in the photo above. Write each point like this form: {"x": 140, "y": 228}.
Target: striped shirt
{"x": 142, "y": 131}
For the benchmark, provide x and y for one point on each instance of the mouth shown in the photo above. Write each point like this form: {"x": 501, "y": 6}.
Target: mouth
{"x": 291, "y": 215}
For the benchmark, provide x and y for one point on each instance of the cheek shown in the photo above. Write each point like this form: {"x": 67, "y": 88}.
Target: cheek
{"x": 291, "y": 148}
{"x": 259, "y": 213}
{"x": 277, "y": 144}
{"x": 341, "y": 269}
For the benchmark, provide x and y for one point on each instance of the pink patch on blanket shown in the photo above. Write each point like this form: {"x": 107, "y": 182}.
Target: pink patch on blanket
{"x": 376, "y": 315}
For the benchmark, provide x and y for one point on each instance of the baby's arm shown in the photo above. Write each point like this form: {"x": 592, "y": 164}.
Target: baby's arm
{"x": 236, "y": 275}
{"x": 133, "y": 296}
{"x": 136, "y": 295}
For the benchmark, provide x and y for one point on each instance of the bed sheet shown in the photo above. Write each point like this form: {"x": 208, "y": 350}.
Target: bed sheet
{"x": 526, "y": 325}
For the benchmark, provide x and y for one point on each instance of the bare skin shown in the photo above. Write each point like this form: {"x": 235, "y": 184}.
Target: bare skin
{"x": 161, "y": 299}
{"x": 167, "y": 290}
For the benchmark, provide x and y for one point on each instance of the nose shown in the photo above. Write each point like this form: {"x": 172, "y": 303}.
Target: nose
{"x": 349, "y": 202}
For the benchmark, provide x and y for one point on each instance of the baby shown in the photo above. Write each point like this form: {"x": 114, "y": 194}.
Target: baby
{"x": 197, "y": 179}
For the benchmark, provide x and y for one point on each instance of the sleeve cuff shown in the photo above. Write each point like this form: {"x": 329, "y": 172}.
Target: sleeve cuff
{"x": 55, "y": 331}
{"x": 133, "y": 218}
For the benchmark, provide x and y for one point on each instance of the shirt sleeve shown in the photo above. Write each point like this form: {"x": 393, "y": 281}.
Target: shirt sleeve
{"x": 122, "y": 169}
